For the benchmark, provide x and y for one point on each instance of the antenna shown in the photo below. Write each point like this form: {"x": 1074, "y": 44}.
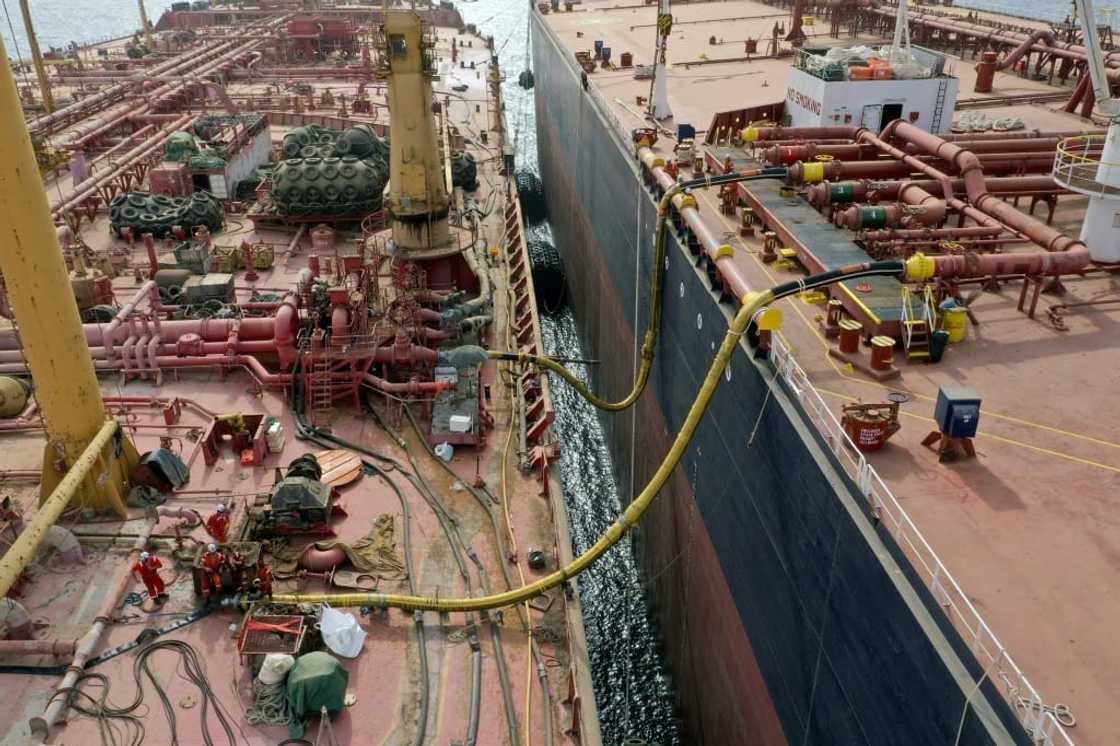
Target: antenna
{"x": 659, "y": 87}
{"x": 901, "y": 32}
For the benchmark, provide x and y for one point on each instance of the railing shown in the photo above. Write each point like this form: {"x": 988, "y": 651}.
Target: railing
{"x": 1078, "y": 166}
{"x": 1037, "y": 718}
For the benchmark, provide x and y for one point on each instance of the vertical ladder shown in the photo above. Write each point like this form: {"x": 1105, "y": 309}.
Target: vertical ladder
{"x": 939, "y": 106}
{"x": 319, "y": 390}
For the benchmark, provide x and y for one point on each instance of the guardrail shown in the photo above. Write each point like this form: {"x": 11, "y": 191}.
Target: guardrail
{"x": 1039, "y": 719}
{"x": 1077, "y": 165}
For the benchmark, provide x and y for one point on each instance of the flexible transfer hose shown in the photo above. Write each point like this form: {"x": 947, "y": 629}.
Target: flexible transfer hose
{"x": 750, "y": 307}
{"x": 649, "y": 345}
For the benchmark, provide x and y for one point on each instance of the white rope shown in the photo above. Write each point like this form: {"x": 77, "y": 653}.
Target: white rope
{"x": 762, "y": 409}
{"x": 270, "y": 704}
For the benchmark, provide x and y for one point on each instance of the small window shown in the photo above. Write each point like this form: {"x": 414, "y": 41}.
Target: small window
{"x": 397, "y": 45}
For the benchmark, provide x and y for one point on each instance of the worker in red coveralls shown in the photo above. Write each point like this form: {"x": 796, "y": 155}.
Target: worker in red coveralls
{"x": 218, "y": 524}
{"x": 212, "y": 561}
{"x": 263, "y": 581}
{"x": 148, "y": 570}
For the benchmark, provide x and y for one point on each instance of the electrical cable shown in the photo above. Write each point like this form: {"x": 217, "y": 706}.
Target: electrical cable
{"x": 740, "y": 325}
{"x": 190, "y": 667}
{"x": 327, "y": 441}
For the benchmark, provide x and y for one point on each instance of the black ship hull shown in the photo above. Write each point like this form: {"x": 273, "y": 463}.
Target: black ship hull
{"x": 788, "y": 614}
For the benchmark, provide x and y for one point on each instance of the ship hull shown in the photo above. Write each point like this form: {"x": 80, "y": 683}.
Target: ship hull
{"x": 788, "y": 615}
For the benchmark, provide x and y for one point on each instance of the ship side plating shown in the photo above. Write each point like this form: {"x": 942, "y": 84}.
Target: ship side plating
{"x": 789, "y": 614}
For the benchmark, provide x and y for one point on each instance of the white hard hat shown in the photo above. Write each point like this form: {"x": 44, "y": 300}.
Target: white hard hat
{"x": 211, "y": 547}
{"x": 222, "y": 508}
{"x": 144, "y": 556}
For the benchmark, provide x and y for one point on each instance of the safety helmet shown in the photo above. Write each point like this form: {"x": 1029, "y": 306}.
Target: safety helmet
{"x": 144, "y": 556}
{"x": 211, "y": 547}
{"x": 222, "y": 508}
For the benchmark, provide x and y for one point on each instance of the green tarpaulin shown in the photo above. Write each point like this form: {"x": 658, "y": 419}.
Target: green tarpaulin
{"x": 317, "y": 680}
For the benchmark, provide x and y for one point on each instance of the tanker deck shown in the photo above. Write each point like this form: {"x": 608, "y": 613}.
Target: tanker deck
{"x": 292, "y": 325}
{"x": 809, "y": 591}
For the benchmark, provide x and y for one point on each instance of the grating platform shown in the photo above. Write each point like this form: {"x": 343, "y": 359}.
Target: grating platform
{"x": 876, "y": 302}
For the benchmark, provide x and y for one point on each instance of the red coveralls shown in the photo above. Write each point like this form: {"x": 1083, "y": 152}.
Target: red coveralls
{"x": 148, "y": 570}
{"x": 212, "y": 573}
{"x": 264, "y": 576}
{"x": 218, "y": 526}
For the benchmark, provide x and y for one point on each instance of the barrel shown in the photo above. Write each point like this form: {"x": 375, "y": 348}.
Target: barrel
{"x": 868, "y": 431}
{"x": 955, "y": 321}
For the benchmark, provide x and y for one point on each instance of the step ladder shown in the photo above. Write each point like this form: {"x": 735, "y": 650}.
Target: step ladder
{"x": 917, "y": 322}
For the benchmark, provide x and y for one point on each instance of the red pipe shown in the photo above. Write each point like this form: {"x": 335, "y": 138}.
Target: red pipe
{"x": 56, "y": 648}
{"x": 821, "y": 194}
{"x": 340, "y": 322}
{"x": 90, "y": 186}
{"x": 1026, "y": 48}
{"x": 713, "y": 245}
{"x": 887, "y": 169}
{"x": 284, "y": 331}
{"x": 785, "y": 155}
{"x": 408, "y": 387}
{"x": 153, "y": 260}
{"x": 847, "y": 134}
{"x": 1037, "y": 263}
{"x": 1074, "y": 52}
{"x": 973, "y": 174}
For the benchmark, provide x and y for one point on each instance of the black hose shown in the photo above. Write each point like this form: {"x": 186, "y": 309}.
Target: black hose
{"x": 315, "y": 436}
{"x": 486, "y": 503}
{"x": 476, "y": 687}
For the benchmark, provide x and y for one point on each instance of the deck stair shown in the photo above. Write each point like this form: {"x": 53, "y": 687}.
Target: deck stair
{"x": 917, "y": 322}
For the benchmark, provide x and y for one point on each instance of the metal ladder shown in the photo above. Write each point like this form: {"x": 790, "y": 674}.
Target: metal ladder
{"x": 320, "y": 393}
{"x": 939, "y": 106}
{"x": 917, "y": 324}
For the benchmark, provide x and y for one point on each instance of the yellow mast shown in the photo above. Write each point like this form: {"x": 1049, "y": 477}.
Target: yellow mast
{"x": 144, "y": 24}
{"x": 37, "y": 58}
{"x": 418, "y": 200}
{"x": 50, "y": 329}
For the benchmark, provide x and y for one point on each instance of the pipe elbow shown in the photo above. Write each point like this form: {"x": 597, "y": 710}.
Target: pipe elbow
{"x": 340, "y": 323}
{"x": 284, "y": 330}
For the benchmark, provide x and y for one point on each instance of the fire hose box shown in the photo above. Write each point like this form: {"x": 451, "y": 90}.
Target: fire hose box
{"x": 957, "y": 412}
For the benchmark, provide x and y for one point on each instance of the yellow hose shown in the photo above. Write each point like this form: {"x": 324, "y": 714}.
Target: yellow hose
{"x": 633, "y": 513}
{"x": 649, "y": 345}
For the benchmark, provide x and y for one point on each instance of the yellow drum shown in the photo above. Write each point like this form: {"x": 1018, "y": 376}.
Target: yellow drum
{"x": 955, "y": 322}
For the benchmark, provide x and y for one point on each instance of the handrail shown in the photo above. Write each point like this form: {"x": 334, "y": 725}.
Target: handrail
{"x": 994, "y": 658}
{"x": 907, "y": 316}
{"x": 1077, "y": 165}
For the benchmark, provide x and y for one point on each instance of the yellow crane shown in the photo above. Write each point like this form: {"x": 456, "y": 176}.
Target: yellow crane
{"x": 36, "y": 58}
{"x": 418, "y": 199}
{"x": 87, "y": 459}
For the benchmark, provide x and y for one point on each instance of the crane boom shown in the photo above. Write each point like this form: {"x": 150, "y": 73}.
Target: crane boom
{"x": 1108, "y": 105}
